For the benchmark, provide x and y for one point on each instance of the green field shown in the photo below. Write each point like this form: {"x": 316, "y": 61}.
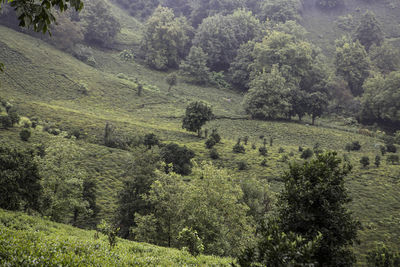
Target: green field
{"x": 44, "y": 82}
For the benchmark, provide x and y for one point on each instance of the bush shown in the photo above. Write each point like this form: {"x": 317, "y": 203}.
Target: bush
{"x": 301, "y": 149}
{"x": 263, "y": 151}
{"x": 126, "y": 56}
{"x": 281, "y": 150}
{"x": 383, "y": 256}
{"x": 354, "y": 146}
{"x": 306, "y": 154}
{"x": 253, "y": 146}
{"x": 12, "y": 113}
{"x": 238, "y": 148}
{"x": 377, "y": 161}
{"x": 179, "y": 157}
{"x": 391, "y": 148}
{"x": 5, "y": 122}
{"x": 214, "y": 154}
{"x": 264, "y": 163}
{"x": 383, "y": 150}
{"x": 190, "y": 240}
{"x": 25, "y": 134}
{"x": 151, "y": 140}
{"x": 35, "y": 122}
{"x": 242, "y": 165}
{"x": 392, "y": 159}
{"x": 210, "y": 143}
{"x": 364, "y": 161}
{"x": 215, "y": 135}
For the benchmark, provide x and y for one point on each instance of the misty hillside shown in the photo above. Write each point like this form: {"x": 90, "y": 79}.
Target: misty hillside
{"x": 244, "y": 132}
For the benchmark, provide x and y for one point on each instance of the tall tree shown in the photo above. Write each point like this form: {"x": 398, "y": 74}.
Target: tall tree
{"x": 314, "y": 202}
{"x": 194, "y": 68}
{"x": 352, "y": 63}
{"x": 20, "y": 187}
{"x": 165, "y": 39}
{"x": 369, "y": 31}
{"x": 196, "y": 115}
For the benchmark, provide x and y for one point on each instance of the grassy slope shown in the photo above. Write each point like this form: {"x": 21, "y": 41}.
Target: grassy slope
{"x": 28, "y": 241}
{"x": 48, "y": 86}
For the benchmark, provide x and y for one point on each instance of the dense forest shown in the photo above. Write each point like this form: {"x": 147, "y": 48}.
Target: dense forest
{"x": 241, "y": 132}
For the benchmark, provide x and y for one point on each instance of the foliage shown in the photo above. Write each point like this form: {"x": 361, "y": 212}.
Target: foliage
{"x": 306, "y": 154}
{"x": 218, "y": 80}
{"x": 209, "y": 204}
{"x": 364, "y": 161}
{"x": 189, "y": 239}
{"x": 352, "y": 63}
{"x": 354, "y": 146}
{"x": 179, "y": 157}
{"x": 317, "y": 104}
{"x": 386, "y": 57}
{"x": 380, "y": 102}
{"x": 329, "y": 4}
{"x": 110, "y": 231}
{"x": 238, "y": 148}
{"x": 215, "y": 135}
{"x": 276, "y": 248}
{"x": 40, "y": 14}
{"x": 165, "y": 40}
{"x": 138, "y": 178}
{"x": 280, "y": 11}
{"x": 30, "y": 241}
{"x": 151, "y": 140}
{"x": 214, "y": 154}
{"x": 25, "y": 134}
{"x": 393, "y": 159}
{"x": 194, "y": 67}
{"x": 101, "y": 32}
{"x": 126, "y": 55}
{"x": 263, "y": 151}
{"x": 19, "y": 180}
{"x": 139, "y": 8}
{"x": 267, "y": 96}
{"x": 391, "y": 148}
{"x": 239, "y": 68}
{"x": 196, "y": 115}
{"x": 242, "y": 165}
{"x": 62, "y": 181}
{"x": 313, "y": 203}
{"x": 377, "y": 161}
{"x": 5, "y": 121}
{"x": 369, "y": 31}
{"x": 210, "y": 143}
{"x": 171, "y": 80}
{"x": 382, "y": 256}
{"x": 13, "y": 115}
{"x": 221, "y": 36}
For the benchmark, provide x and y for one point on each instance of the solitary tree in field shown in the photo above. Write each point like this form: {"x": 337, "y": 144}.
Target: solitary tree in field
{"x": 171, "y": 80}
{"x": 197, "y": 114}
{"x": 313, "y": 202}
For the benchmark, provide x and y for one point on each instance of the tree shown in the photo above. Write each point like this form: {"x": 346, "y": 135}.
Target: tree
{"x": 352, "y": 63}
{"x": 165, "y": 39}
{"x": 210, "y": 204}
{"x": 316, "y": 105}
{"x": 267, "y": 97}
{"x": 386, "y": 57}
{"x": 364, "y": 161}
{"x": 179, "y": 157}
{"x": 102, "y": 31}
{"x": 381, "y": 100}
{"x": 369, "y": 31}
{"x": 314, "y": 202}
{"x": 171, "y": 80}
{"x": 194, "y": 67}
{"x": 139, "y": 177}
{"x": 281, "y": 11}
{"x": 239, "y": 69}
{"x": 382, "y": 256}
{"x": 196, "y": 115}
{"x": 62, "y": 181}
{"x": 20, "y": 187}
{"x": 40, "y": 14}
{"x": 221, "y": 36}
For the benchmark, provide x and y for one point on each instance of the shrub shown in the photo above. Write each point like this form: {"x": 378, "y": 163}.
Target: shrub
{"x": 245, "y": 140}
{"x": 214, "y": 154}
{"x": 263, "y": 151}
{"x": 253, "y": 146}
{"x": 242, "y": 165}
{"x": 126, "y": 55}
{"x": 391, "y": 148}
{"x": 110, "y": 231}
{"x": 5, "y": 121}
{"x": 210, "y": 143}
{"x": 383, "y": 150}
{"x": 354, "y": 146}
{"x": 377, "y": 161}
{"x": 383, "y": 256}
{"x": 215, "y": 135}
{"x": 25, "y": 134}
{"x": 364, "y": 161}
{"x": 34, "y": 121}
{"x": 306, "y": 154}
{"x": 264, "y": 163}
{"x": 151, "y": 140}
{"x": 179, "y": 157}
{"x": 12, "y": 113}
{"x": 301, "y": 149}
{"x": 238, "y": 148}
{"x": 190, "y": 240}
{"x": 392, "y": 159}
{"x": 281, "y": 150}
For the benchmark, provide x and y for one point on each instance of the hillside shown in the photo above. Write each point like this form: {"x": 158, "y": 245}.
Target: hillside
{"x": 28, "y": 240}
{"x": 65, "y": 93}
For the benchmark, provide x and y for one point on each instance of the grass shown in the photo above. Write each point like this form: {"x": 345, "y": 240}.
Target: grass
{"x": 44, "y": 82}
{"x": 28, "y": 240}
